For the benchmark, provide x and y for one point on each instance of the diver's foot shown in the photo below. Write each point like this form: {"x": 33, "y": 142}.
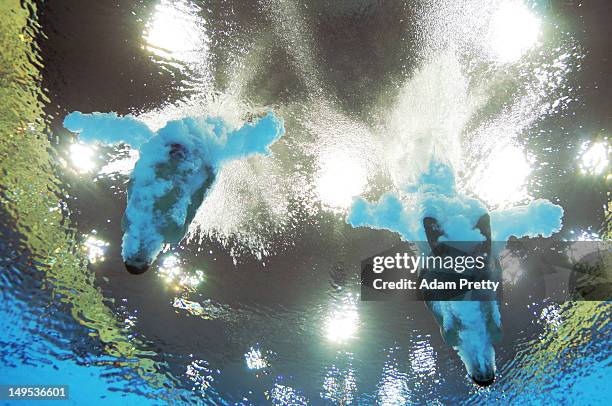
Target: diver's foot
{"x": 136, "y": 269}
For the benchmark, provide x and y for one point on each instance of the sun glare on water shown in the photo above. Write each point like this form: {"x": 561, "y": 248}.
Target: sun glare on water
{"x": 340, "y": 178}
{"x": 95, "y": 248}
{"x": 176, "y": 31}
{"x": 393, "y": 388}
{"x": 342, "y": 322}
{"x": 82, "y": 157}
{"x": 595, "y": 158}
{"x": 513, "y": 30}
{"x": 255, "y": 359}
{"x": 173, "y": 274}
{"x": 503, "y": 178}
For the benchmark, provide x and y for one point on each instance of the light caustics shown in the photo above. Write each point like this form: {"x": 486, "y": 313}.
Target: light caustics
{"x": 190, "y": 306}
{"x": 201, "y": 375}
{"x": 513, "y": 30}
{"x": 286, "y": 395}
{"x": 174, "y": 275}
{"x": 255, "y": 359}
{"x": 121, "y": 165}
{"x": 584, "y": 235}
{"x": 393, "y": 388}
{"x": 423, "y": 358}
{"x": 339, "y": 385}
{"x": 551, "y": 315}
{"x": 95, "y": 248}
{"x": 206, "y": 309}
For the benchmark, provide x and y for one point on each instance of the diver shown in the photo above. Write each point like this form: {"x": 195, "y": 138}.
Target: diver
{"x": 176, "y": 169}
{"x": 469, "y": 326}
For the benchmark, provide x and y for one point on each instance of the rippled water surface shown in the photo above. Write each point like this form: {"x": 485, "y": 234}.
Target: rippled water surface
{"x": 260, "y": 304}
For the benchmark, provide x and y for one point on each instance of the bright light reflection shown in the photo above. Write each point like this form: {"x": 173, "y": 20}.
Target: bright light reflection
{"x": 200, "y": 374}
{"x": 192, "y": 307}
{"x": 340, "y": 178}
{"x": 255, "y": 359}
{"x": 286, "y": 395}
{"x": 172, "y": 273}
{"x": 341, "y": 324}
{"x": 514, "y": 29}
{"x": 339, "y": 386}
{"x": 82, "y": 157}
{"x": 95, "y": 248}
{"x": 584, "y": 235}
{"x": 502, "y": 181}
{"x": 393, "y": 388}
{"x": 595, "y": 158}
{"x": 176, "y": 31}
{"x": 551, "y": 315}
{"x": 423, "y": 360}
{"x": 130, "y": 321}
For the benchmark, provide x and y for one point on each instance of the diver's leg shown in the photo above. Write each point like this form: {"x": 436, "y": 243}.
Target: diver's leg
{"x": 484, "y": 226}
{"x": 433, "y": 231}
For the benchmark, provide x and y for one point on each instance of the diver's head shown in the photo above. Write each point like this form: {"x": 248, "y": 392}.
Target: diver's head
{"x": 471, "y": 328}
{"x": 484, "y": 380}
{"x": 137, "y": 266}
{"x": 140, "y": 250}
{"x": 484, "y": 375}
{"x": 479, "y": 359}
{"x": 475, "y": 346}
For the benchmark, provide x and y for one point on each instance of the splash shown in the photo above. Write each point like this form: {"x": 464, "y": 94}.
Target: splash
{"x": 177, "y": 167}
{"x": 539, "y": 218}
{"x": 435, "y": 195}
{"x": 251, "y": 211}
{"x": 108, "y": 128}
{"x": 428, "y": 116}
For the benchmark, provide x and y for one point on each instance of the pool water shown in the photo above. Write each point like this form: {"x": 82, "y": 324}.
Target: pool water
{"x": 260, "y": 304}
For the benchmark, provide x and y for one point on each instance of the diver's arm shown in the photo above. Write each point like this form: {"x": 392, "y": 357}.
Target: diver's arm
{"x": 252, "y": 138}
{"x": 108, "y": 128}
{"x": 538, "y": 218}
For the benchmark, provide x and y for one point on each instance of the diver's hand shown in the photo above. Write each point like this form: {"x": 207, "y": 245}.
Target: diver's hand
{"x": 433, "y": 232}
